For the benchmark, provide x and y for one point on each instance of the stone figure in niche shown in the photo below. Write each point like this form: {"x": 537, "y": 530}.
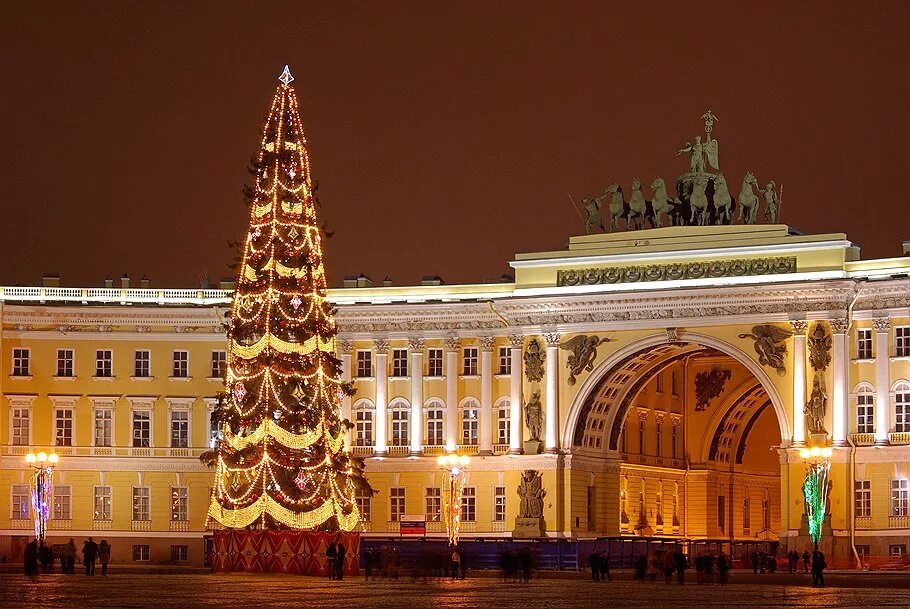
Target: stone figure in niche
{"x": 709, "y": 385}
{"x": 531, "y": 494}
{"x": 534, "y": 417}
{"x": 770, "y": 346}
{"x": 534, "y": 361}
{"x": 584, "y": 353}
{"x": 816, "y": 408}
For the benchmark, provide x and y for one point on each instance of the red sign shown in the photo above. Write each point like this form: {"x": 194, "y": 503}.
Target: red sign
{"x": 415, "y": 524}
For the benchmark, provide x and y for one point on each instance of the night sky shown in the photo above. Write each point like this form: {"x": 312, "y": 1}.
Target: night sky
{"x": 445, "y": 137}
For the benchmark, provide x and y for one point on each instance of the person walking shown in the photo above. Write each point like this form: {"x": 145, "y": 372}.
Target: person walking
{"x": 46, "y": 557}
{"x": 339, "y": 560}
{"x": 89, "y": 555}
{"x": 723, "y": 567}
{"x": 605, "y": 567}
{"x": 681, "y": 561}
{"x": 818, "y": 569}
{"x": 104, "y": 555}
{"x": 454, "y": 563}
{"x": 594, "y": 562}
{"x": 30, "y": 559}
{"x": 669, "y": 565}
{"x": 68, "y": 557}
{"x": 806, "y": 558}
{"x": 330, "y": 554}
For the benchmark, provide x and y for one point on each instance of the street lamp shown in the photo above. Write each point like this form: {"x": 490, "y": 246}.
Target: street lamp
{"x": 41, "y": 488}
{"x": 453, "y": 467}
{"x": 816, "y": 488}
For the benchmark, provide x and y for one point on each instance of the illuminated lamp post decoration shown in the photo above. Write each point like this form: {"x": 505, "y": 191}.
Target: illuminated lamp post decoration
{"x": 41, "y": 489}
{"x": 453, "y": 467}
{"x": 816, "y": 488}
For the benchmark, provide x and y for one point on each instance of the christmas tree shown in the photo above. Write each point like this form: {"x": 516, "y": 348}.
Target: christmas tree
{"x": 281, "y": 460}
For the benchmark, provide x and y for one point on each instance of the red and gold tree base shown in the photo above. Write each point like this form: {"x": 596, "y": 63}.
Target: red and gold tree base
{"x": 291, "y": 552}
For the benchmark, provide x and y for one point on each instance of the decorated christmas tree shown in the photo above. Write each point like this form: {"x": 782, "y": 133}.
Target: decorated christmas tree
{"x": 280, "y": 460}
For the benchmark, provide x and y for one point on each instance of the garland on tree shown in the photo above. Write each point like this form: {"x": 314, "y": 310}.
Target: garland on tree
{"x": 280, "y": 460}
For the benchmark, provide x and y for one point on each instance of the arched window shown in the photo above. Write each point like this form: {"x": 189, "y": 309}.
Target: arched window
{"x": 902, "y": 407}
{"x": 865, "y": 407}
{"x": 435, "y": 426}
{"x": 503, "y": 421}
{"x": 400, "y": 412}
{"x": 363, "y": 423}
{"x": 469, "y": 422}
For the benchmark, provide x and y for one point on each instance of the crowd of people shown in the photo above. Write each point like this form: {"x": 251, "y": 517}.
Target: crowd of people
{"x": 40, "y": 557}
{"x": 387, "y": 562}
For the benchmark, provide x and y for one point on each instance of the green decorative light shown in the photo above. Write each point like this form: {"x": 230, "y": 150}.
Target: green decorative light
{"x": 816, "y": 489}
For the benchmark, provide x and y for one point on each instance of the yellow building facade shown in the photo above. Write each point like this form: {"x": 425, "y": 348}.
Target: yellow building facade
{"x": 660, "y": 382}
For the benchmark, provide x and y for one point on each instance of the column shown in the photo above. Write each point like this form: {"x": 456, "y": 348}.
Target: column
{"x": 882, "y": 327}
{"x": 347, "y": 348}
{"x": 799, "y": 380}
{"x": 839, "y": 391}
{"x": 551, "y": 416}
{"x": 415, "y": 423}
{"x": 486, "y": 395}
{"x": 515, "y": 394}
{"x": 453, "y": 346}
{"x": 382, "y": 396}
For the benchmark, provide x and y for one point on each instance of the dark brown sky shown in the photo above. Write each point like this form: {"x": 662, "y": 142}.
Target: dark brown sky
{"x": 445, "y": 136}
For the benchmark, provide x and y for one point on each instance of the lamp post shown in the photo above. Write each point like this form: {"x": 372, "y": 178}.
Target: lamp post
{"x": 453, "y": 467}
{"x": 42, "y": 465}
{"x": 816, "y": 488}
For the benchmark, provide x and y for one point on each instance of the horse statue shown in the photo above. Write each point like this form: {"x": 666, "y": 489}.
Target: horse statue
{"x": 661, "y": 203}
{"x": 698, "y": 201}
{"x": 618, "y": 206}
{"x": 723, "y": 202}
{"x": 748, "y": 201}
{"x": 638, "y": 207}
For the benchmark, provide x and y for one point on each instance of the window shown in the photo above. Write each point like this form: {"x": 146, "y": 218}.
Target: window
{"x": 747, "y": 515}
{"x": 659, "y": 383}
{"x": 499, "y": 504}
{"x": 674, "y": 440}
{"x": 659, "y": 437}
{"x": 363, "y": 428}
{"x": 142, "y": 501}
{"x": 65, "y": 363}
{"x": 675, "y": 504}
{"x": 902, "y": 407}
{"x": 505, "y": 360}
{"x": 503, "y": 422}
{"x": 897, "y": 550}
{"x": 396, "y": 503}
{"x": 674, "y": 383}
{"x": 899, "y": 497}
{"x": 180, "y": 429}
{"x": 181, "y": 365}
{"x": 104, "y": 363}
{"x": 862, "y": 498}
{"x": 21, "y": 360}
{"x": 721, "y": 512}
{"x": 215, "y": 433}
{"x": 62, "y": 503}
{"x": 102, "y": 503}
{"x": 21, "y": 500}
{"x": 364, "y": 501}
{"x": 659, "y": 508}
{"x": 766, "y": 512}
{"x": 142, "y": 367}
{"x": 140, "y": 553}
{"x": 435, "y": 414}
{"x": 469, "y": 424}
{"x": 865, "y": 400}
{"x": 364, "y": 364}
{"x": 399, "y": 424}
{"x": 433, "y": 504}
{"x": 21, "y": 426}
{"x": 219, "y": 364}
{"x": 180, "y": 553}
{"x": 104, "y": 426}
{"x": 434, "y": 362}
{"x": 641, "y": 436}
{"x": 902, "y": 341}
{"x": 142, "y": 428}
{"x": 399, "y": 362}
{"x": 864, "y": 343}
{"x": 179, "y": 503}
{"x": 863, "y": 552}
{"x": 469, "y": 504}
{"x": 469, "y": 367}
{"x": 64, "y": 426}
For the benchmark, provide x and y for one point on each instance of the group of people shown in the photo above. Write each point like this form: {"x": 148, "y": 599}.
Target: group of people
{"x": 516, "y": 566}
{"x": 335, "y": 556}
{"x": 38, "y": 553}
{"x": 600, "y": 566}
{"x": 767, "y": 562}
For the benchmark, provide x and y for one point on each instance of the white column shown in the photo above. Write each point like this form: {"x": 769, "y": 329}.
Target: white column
{"x": 799, "y": 381}
{"x": 382, "y": 397}
{"x": 415, "y": 423}
{"x": 453, "y": 345}
{"x": 839, "y": 391}
{"x": 882, "y": 380}
{"x": 346, "y": 347}
{"x": 515, "y": 395}
{"x": 551, "y": 443}
{"x": 486, "y": 395}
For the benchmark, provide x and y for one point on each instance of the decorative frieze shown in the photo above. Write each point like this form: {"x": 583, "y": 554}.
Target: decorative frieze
{"x": 678, "y": 271}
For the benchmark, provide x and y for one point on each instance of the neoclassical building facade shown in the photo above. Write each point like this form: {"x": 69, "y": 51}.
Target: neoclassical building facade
{"x": 660, "y": 382}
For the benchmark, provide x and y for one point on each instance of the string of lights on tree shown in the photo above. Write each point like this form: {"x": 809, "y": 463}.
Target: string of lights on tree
{"x": 281, "y": 460}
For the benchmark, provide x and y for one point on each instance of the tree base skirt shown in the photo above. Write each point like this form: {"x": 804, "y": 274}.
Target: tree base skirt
{"x": 292, "y": 552}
